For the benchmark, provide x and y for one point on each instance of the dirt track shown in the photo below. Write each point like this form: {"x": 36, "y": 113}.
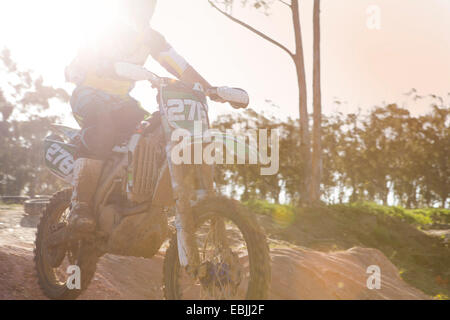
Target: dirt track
{"x": 297, "y": 273}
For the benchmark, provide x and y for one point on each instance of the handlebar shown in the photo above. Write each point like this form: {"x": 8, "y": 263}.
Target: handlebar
{"x": 238, "y": 98}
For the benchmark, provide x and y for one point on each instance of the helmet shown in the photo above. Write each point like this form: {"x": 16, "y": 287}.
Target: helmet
{"x": 150, "y": 5}
{"x": 141, "y": 11}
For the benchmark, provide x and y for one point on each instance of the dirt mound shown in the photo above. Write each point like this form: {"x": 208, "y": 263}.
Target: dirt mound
{"x": 306, "y": 274}
{"x": 17, "y": 277}
{"x": 297, "y": 273}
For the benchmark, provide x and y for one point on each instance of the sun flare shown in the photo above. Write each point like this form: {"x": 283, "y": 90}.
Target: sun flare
{"x": 52, "y": 30}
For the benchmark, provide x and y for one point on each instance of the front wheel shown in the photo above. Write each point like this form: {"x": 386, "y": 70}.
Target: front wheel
{"x": 55, "y": 265}
{"x": 234, "y": 256}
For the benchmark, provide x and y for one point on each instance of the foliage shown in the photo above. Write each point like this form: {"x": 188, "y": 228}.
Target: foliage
{"x": 422, "y": 260}
{"x": 385, "y": 154}
{"x": 23, "y": 99}
{"x": 418, "y": 217}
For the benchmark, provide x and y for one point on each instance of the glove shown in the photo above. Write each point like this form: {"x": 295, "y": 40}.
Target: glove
{"x": 237, "y": 98}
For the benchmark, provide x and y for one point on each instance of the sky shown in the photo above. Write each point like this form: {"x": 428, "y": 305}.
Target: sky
{"x": 361, "y": 67}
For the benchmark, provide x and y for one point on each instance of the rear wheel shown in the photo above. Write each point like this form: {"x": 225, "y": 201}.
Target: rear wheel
{"x": 55, "y": 264}
{"x": 234, "y": 256}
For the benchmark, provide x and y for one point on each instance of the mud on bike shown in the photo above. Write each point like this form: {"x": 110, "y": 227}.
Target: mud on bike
{"x": 216, "y": 250}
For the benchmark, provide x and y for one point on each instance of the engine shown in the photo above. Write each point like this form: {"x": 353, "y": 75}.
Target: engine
{"x": 143, "y": 164}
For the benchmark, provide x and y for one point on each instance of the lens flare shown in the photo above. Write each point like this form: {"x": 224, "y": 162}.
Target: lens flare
{"x": 283, "y": 217}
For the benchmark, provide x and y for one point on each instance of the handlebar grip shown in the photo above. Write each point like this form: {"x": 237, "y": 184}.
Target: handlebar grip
{"x": 238, "y": 98}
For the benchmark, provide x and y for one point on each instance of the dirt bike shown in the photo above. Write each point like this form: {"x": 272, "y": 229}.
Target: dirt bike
{"x": 216, "y": 249}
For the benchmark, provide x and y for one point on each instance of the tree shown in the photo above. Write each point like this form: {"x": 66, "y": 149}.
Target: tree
{"x": 22, "y": 129}
{"x": 385, "y": 154}
{"x": 317, "y": 102}
{"x": 436, "y": 150}
{"x": 298, "y": 59}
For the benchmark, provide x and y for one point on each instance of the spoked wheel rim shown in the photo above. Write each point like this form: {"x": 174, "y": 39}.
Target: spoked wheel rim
{"x": 224, "y": 271}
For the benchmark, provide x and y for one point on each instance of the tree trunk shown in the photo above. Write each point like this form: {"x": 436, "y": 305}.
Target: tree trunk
{"x": 317, "y": 102}
{"x": 245, "y": 196}
{"x": 32, "y": 186}
{"x": 305, "y": 148}
{"x": 385, "y": 195}
{"x": 298, "y": 57}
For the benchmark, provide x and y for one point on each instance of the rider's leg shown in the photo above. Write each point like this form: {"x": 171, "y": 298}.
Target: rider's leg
{"x": 95, "y": 145}
{"x": 126, "y": 115}
{"x": 106, "y": 120}
{"x": 91, "y": 110}
{"x": 85, "y": 180}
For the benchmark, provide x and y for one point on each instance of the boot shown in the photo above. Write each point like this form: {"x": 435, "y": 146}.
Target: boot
{"x": 86, "y": 174}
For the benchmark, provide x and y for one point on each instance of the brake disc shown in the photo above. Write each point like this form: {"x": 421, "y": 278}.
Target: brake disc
{"x": 226, "y": 274}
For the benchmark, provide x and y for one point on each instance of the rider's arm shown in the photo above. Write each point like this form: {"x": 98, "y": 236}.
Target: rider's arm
{"x": 163, "y": 52}
{"x": 76, "y": 70}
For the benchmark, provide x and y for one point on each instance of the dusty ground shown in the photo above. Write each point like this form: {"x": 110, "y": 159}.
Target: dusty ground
{"x": 297, "y": 273}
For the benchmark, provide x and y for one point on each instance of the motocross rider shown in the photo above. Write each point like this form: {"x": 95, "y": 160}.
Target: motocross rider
{"x": 101, "y": 103}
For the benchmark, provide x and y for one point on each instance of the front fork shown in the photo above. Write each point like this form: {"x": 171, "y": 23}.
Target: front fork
{"x": 192, "y": 183}
{"x": 185, "y": 225}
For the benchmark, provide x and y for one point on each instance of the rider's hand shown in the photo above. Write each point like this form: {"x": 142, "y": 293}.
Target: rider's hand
{"x": 212, "y": 94}
{"x": 237, "y": 98}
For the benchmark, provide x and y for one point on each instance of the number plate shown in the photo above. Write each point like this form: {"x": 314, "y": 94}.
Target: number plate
{"x": 182, "y": 108}
{"x": 59, "y": 158}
